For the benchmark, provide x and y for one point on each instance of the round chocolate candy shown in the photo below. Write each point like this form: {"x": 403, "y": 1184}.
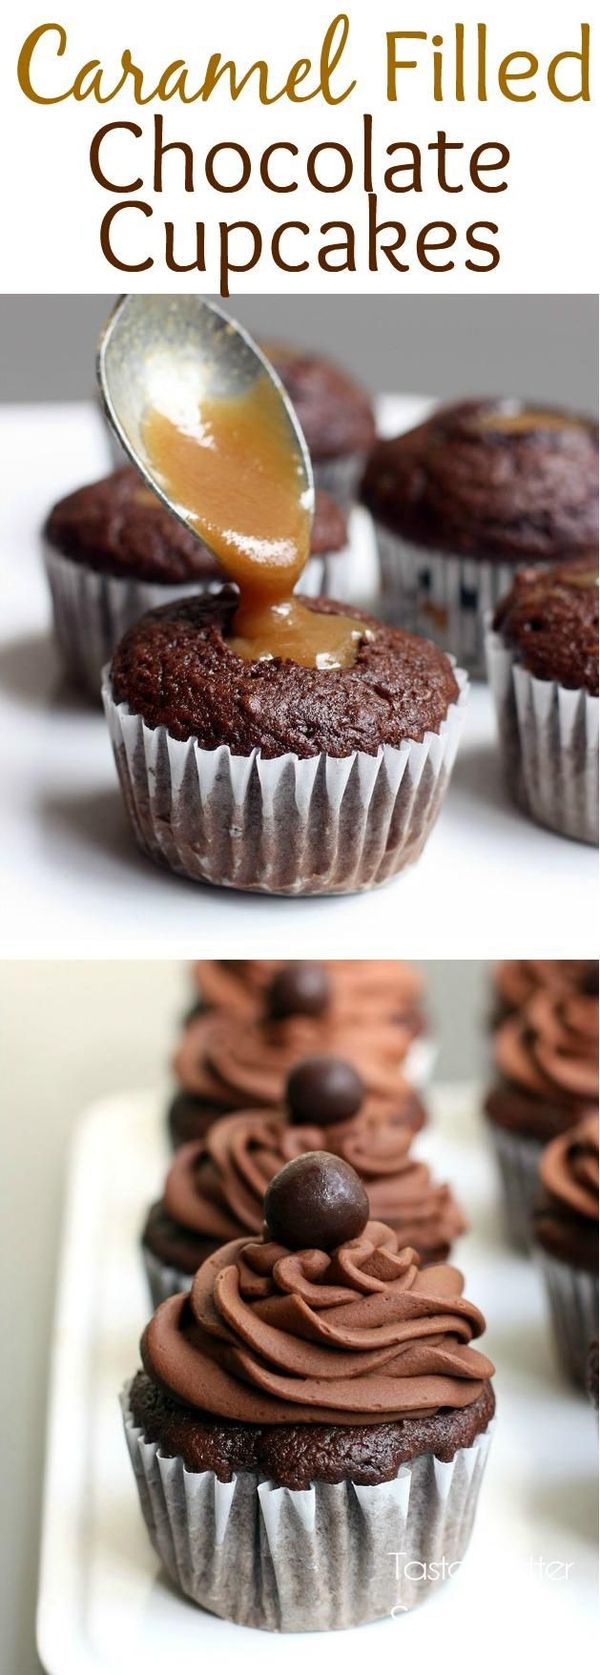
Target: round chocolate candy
{"x": 324, "y": 1090}
{"x": 299, "y": 988}
{"x": 316, "y": 1202}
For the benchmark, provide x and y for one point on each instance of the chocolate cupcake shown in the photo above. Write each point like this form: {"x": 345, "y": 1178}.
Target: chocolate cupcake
{"x": 516, "y": 981}
{"x": 113, "y": 551}
{"x": 269, "y": 774}
{"x": 224, "y": 1064}
{"x": 335, "y": 414}
{"x": 359, "y": 989}
{"x": 566, "y": 1238}
{"x": 542, "y": 654}
{"x": 215, "y": 1187}
{"x": 312, "y": 1412}
{"x": 463, "y": 500}
{"x": 546, "y": 1059}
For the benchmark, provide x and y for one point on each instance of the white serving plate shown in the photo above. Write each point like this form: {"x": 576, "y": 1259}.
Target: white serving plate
{"x": 488, "y": 879}
{"x": 104, "y": 1606}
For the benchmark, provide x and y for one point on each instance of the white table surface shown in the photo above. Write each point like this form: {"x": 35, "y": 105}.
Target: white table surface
{"x": 489, "y": 880}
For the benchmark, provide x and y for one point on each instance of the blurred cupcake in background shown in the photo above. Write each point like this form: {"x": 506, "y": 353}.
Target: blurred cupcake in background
{"x": 515, "y": 981}
{"x": 215, "y": 1187}
{"x": 335, "y": 414}
{"x": 112, "y": 552}
{"x": 225, "y": 1064}
{"x": 542, "y": 659}
{"x": 461, "y": 502}
{"x": 546, "y": 1064}
{"x": 566, "y": 1242}
{"x": 360, "y": 990}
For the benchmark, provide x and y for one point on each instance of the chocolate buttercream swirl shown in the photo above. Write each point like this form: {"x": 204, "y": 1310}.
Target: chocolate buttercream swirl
{"x": 517, "y": 980}
{"x": 215, "y": 1186}
{"x": 359, "y": 1335}
{"x": 569, "y": 1169}
{"x": 360, "y": 989}
{"x": 235, "y": 1065}
{"x": 550, "y": 1048}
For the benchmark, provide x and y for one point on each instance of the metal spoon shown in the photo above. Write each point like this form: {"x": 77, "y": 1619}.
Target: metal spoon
{"x": 158, "y": 351}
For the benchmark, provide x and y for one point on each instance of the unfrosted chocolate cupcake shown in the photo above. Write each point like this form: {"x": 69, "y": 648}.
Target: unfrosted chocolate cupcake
{"x": 215, "y": 1187}
{"x": 113, "y": 551}
{"x": 316, "y": 1358}
{"x": 335, "y": 414}
{"x": 224, "y": 1064}
{"x": 464, "y": 499}
{"x": 566, "y": 1237}
{"x": 271, "y": 775}
{"x": 542, "y": 654}
{"x": 546, "y": 1061}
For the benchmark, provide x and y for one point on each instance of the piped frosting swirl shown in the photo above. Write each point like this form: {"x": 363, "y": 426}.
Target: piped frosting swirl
{"x": 569, "y": 1169}
{"x": 360, "y": 1335}
{"x": 549, "y": 1051}
{"x": 360, "y": 989}
{"x": 215, "y": 1186}
{"x": 236, "y": 1065}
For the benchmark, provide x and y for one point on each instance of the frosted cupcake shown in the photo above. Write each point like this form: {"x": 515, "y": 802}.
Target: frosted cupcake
{"x": 364, "y": 990}
{"x": 566, "y": 1238}
{"x": 225, "y": 1065}
{"x": 516, "y": 981}
{"x": 215, "y": 1187}
{"x": 546, "y": 1060}
{"x": 312, "y": 1412}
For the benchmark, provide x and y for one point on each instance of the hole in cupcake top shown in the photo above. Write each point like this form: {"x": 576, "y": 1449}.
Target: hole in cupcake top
{"x": 235, "y": 475}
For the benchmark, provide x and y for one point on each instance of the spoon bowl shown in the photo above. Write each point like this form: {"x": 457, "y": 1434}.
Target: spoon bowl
{"x": 170, "y": 354}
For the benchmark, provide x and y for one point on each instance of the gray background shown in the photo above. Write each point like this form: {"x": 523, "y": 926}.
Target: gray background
{"x": 544, "y": 347}
{"x": 70, "y": 1033}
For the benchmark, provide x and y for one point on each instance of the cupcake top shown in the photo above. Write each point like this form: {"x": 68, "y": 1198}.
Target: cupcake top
{"x": 233, "y": 1064}
{"x": 335, "y": 414}
{"x": 548, "y": 1053}
{"x": 567, "y": 1215}
{"x": 119, "y": 527}
{"x": 359, "y": 988}
{"x": 496, "y": 479}
{"x": 176, "y": 669}
{"x": 549, "y": 618}
{"x": 515, "y": 981}
{"x": 343, "y": 1328}
{"x": 216, "y": 1186}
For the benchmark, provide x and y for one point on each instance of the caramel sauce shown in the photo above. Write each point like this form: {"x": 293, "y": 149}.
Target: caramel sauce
{"x": 238, "y": 482}
{"x": 526, "y": 418}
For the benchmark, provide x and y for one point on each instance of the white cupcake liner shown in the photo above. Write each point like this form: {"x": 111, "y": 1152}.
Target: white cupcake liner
{"x": 163, "y": 1281}
{"x": 573, "y": 1299}
{"x": 317, "y": 826}
{"x": 549, "y": 742}
{"x": 518, "y": 1159}
{"x": 329, "y": 1557}
{"x": 340, "y": 478}
{"x": 92, "y": 611}
{"x": 441, "y": 594}
{"x": 326, "y": 576}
